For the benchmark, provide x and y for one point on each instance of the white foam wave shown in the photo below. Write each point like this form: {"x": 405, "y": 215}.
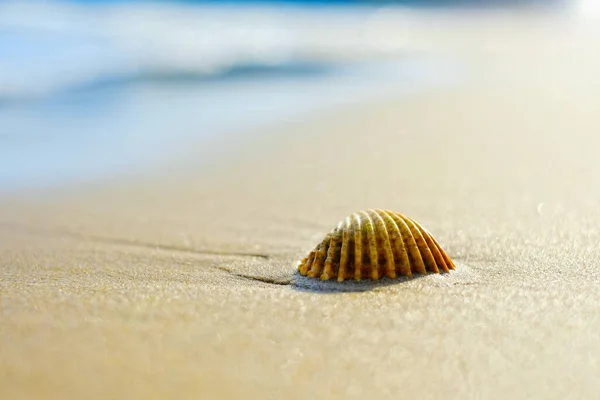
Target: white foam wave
{"x": 49, "y": 46}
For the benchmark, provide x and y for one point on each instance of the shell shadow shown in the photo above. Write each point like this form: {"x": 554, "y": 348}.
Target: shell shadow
{"x": 304, "y": 284}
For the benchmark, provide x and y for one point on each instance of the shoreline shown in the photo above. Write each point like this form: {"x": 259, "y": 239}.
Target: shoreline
{"x": 167, "y": 133}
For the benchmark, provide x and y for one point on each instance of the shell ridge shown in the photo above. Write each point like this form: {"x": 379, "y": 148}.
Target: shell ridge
{"x": 447, "y": 258}
{"x": 390, "y": 262}
{"x": 372, "y": 243}
{"x": 444, "y": 261}
{"x": 317, "y": 266}
{"x": 403, "y": 266}
{"x": 417, "y": 264}
{"x": 448, "y": 261}
{"x": 357, "y": 247}
{"x": 344, "y": 250}
{"x": 422, "y": 245}
{"x": 334, "y": 246}
{"x": 436, "y": 251}
{"x": 306, "y": 263}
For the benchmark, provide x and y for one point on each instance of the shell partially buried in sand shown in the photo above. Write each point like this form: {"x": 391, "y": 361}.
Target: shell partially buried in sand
{"x": 374, "y": 243}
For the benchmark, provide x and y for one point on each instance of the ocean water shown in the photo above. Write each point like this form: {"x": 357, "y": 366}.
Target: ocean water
{"x": 90, "y": 90}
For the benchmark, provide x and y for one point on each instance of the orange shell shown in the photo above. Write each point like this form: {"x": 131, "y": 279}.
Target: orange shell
{"x": 375, "y": 243}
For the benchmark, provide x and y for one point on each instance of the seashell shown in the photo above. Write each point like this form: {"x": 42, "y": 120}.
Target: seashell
{"x": 375, "y": 243}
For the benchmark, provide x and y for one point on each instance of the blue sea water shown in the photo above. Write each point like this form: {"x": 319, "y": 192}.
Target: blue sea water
{"x": 92, "y": 89}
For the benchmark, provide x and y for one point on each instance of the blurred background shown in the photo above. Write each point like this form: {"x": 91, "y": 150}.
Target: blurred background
{"x": 97, "y": 89}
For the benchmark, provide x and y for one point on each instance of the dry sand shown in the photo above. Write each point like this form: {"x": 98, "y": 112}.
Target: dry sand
{"x": 182, "y": 284}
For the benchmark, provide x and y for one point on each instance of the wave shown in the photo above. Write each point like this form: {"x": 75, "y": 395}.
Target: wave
{"x": 49, "y": 47}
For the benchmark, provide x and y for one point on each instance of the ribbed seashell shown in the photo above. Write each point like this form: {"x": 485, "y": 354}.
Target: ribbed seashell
{"x": 372, "y": 244}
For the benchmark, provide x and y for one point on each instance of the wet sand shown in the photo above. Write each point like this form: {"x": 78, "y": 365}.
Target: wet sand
{"x": 182, "y": 284}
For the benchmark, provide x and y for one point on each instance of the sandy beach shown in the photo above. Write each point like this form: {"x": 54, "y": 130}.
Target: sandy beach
{"x": 181, "y": 283}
